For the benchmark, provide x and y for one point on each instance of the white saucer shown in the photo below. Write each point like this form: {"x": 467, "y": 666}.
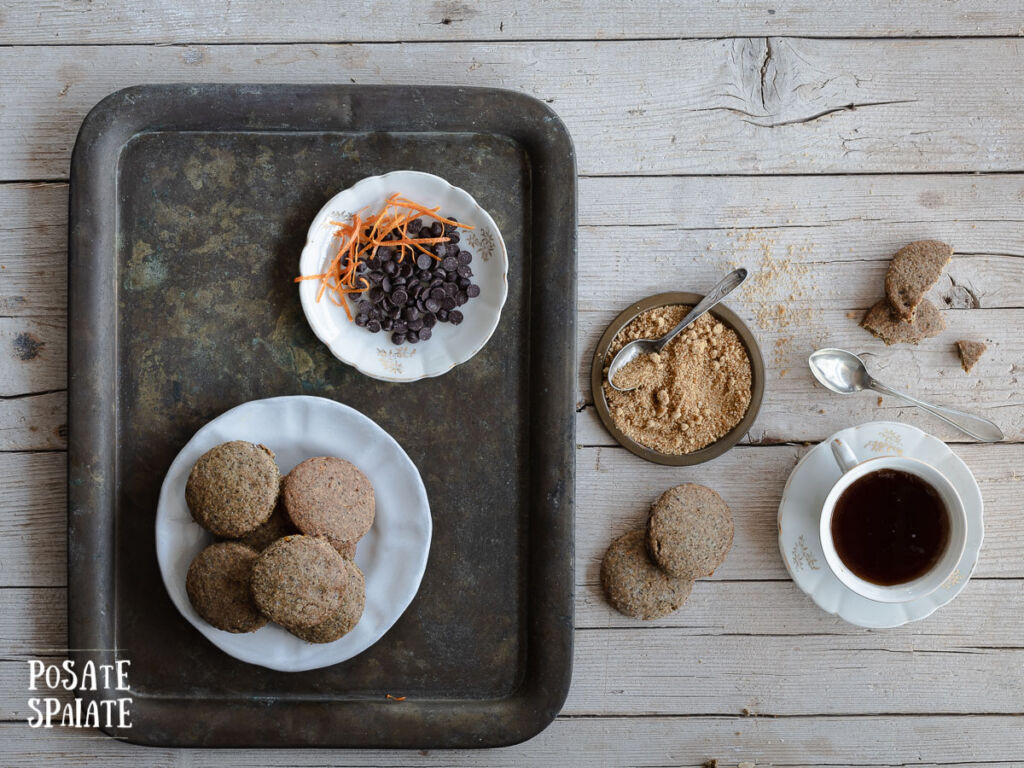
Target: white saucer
{"x": 373, "y": 353}
{"x": 392, "y": 555}
{"x": 800, "y": 510}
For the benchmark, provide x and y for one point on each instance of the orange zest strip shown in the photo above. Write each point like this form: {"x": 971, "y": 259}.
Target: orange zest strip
{"x": 360, "y": 241}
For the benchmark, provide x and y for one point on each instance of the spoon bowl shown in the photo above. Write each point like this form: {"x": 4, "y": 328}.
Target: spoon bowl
{"x": 841, "y": 371}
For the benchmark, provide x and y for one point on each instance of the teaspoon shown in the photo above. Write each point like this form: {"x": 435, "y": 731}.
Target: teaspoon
{"x": 845, "y": 373}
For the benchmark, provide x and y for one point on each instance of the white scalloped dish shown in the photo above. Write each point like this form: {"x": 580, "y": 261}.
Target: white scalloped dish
{"x": 392, "y": 555}
{"x": 373, "y": 353}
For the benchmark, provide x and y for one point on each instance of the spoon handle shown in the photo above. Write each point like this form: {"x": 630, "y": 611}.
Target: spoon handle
{"x": 968, "y": 423}
{"x": 726, "y": 285}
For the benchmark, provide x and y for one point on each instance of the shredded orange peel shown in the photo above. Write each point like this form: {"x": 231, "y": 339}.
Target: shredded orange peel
{"x": 362, "y": 237}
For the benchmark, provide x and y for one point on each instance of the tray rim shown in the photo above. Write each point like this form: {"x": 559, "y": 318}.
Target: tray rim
{"x": 93, "y": 390}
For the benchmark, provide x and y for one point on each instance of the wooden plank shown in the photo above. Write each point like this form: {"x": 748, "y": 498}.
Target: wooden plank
{"x": 33, "y": 355}
{"x": 670, "y": 672}
{"x": 33, "y": 622}
{"x": 656, "y": 742}
{"x": 614, "y": 490}
{"x": 33, "y": 533}
{"x": 249, "y": 21}
{"x": 33, "y": 249}
{"x": 742, "y": 106}
{"x": 34, "y": 423}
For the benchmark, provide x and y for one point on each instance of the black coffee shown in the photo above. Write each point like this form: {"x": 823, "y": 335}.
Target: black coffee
{"x": 890, "y": 527}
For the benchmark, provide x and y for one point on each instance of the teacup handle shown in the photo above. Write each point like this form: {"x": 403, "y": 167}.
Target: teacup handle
{"x": 843, "y": 455}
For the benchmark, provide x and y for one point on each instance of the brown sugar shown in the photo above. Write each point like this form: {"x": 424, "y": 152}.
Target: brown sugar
{"x": 689, "y": 395}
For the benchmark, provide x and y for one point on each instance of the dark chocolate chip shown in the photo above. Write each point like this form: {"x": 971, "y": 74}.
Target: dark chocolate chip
{"x": 423, "y": 261}
{"x": 373, "y": 326}
{"x": 450, "y": 289}
{"x": 461, "y": 298}
{"x": 413, "y": 337}
{"x": 389, "y": 267}
{"x": 376, "y": 294}
{"x": 415, "y": 325}
{"x": 411, "y": 313}
{"x": 465, "y": 257}
{"x": 429, "y": 320}
{"x": 425, "y": 334}
{"x": 437, "y": 293}
{"x": 400, "y": 298}
{"x": 450, "y": 263}
{"x": 455, "y": 317}
{"x": 431, "y": 304}
{"x": 465, "y": 270}
{"x": 472, "y": 290}
{"x": 442, "y": 315}
{"x": 397, "y": 338}
{"x": 400, "y": 326}
{"x": 448, "y": 303}
{"x": 361, "y": 320}
{"x": 387, "y": 324}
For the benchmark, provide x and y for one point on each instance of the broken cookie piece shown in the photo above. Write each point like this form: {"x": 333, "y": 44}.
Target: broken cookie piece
{"x": 970, "y": 352}
{"x": 888, "y": 326}
{"x": 912, "y": 272}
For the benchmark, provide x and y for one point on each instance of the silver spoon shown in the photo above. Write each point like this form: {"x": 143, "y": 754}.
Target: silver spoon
{"x": 634, "y": 349}
{"x": 845, "y": 373}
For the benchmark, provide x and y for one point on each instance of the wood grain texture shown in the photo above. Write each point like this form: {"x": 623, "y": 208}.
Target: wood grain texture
{"x": 736, "y": 106}
{"x": 33, "y": 526}
{"x": 657, "y": 122}
{"x": 655, "y": 742}
{"x": 33, "y": 249}
{"x": 251, "y": 21}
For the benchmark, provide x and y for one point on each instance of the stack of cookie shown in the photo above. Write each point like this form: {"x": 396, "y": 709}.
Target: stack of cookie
{"x": 291, "y": 542}
{"x": 649, "y": 572}
{"x": 905, "y": 315}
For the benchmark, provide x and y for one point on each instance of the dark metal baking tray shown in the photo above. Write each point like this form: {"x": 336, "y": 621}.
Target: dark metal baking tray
{"x": 189, "y": 206}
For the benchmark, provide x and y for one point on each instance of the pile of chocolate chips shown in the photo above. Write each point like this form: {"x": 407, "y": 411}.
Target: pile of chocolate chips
{"x": 410, "y": 297}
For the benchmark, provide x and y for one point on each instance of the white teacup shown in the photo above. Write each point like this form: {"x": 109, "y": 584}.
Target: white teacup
{"x": 925, "y": 584}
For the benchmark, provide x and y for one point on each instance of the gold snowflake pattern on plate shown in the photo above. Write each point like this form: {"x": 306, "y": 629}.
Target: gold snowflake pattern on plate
{"x": 888, "y": 441}
{"x": 482, "y": 241}
{"x": 391, "y": 359}
{"x": 803, "y": 556}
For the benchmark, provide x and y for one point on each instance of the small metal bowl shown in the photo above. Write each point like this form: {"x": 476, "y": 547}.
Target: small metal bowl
{"x": 730, "y": 438}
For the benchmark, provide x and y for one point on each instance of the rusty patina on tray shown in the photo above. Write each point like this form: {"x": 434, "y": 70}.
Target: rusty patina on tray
{"x": 189, "y": 207}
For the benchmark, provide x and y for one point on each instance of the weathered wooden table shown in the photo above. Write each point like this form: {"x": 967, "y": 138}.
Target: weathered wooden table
{"x": 806, "y": 141}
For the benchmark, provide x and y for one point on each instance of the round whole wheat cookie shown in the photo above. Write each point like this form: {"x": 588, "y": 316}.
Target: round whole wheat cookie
{"x": 232, "y": 488}
{"x": 217, "y": 584}
{"x": 340, "y": 623}
{"x": 689, "y": 531}
{"x": 330, "y": 497}
{"x": 298, "y": 581}
{"x": 634, "y": 585}
{"x": 277, "y": 527}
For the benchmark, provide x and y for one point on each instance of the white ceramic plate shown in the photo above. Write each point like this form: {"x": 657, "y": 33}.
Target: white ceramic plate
{"x": 393, "y": 555}
{"x": 800, "y": 511}
{"x": 373, "y": 353}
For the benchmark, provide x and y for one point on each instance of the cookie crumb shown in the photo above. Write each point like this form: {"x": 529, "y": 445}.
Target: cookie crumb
{"x": 970, "y": 352}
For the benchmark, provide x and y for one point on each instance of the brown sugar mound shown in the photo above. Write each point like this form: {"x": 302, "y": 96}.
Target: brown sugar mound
{"x": 970, "y": 352}
{"x": 688, "y": 396}
{"x": 887, "y": 326}
{"x": 912, "y": 272}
